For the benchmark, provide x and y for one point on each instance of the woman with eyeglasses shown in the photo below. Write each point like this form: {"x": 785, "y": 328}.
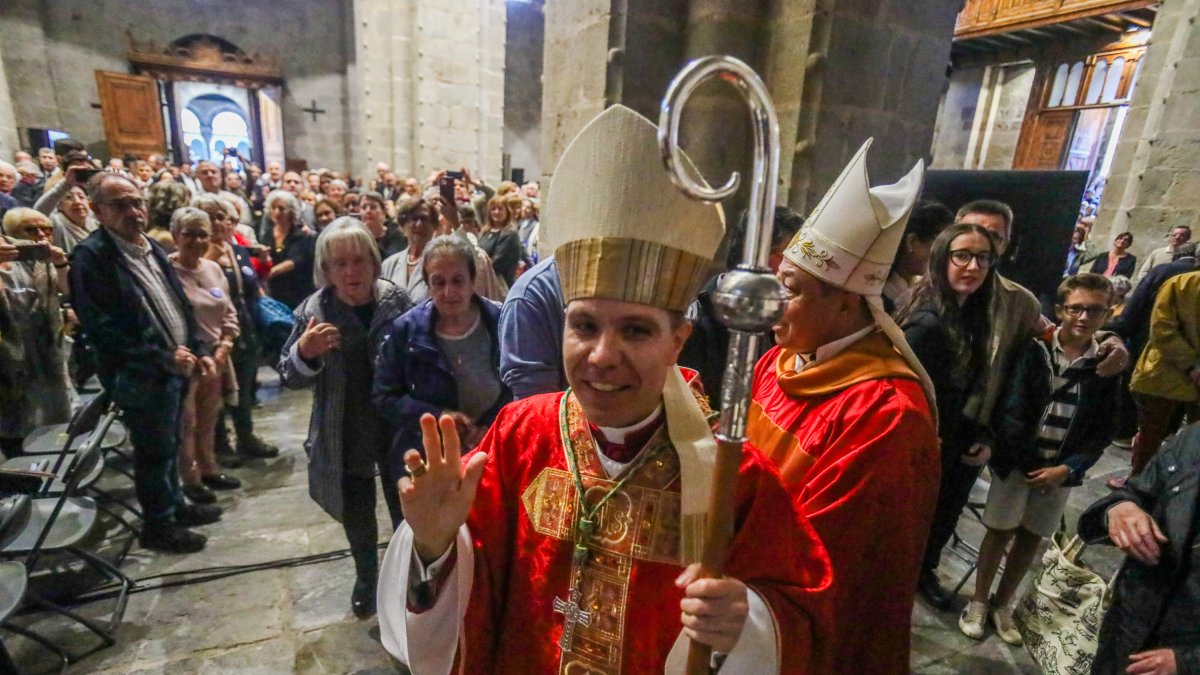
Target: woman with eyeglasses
{"x": 947, "y": 324}
{"x": 418, "y": 221}
{"x": 34, "y": 388}
{"x": 207, "y": 290}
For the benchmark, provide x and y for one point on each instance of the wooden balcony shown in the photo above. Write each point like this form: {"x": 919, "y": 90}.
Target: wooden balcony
{"x": 981, "y": 18}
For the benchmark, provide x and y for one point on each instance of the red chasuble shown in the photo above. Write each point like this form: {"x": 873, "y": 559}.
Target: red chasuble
{"x": 857, "y": 448}
{"x": 522, "y": 525}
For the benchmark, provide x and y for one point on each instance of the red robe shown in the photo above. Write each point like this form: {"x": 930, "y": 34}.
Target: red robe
{"x": 522, "y": 528}
{"x": 856, "y": 446}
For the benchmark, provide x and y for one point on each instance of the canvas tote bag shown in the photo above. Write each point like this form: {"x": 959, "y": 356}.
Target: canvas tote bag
{"x": 1060, "y": 613}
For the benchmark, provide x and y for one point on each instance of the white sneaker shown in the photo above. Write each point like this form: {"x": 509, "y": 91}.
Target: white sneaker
{"x": 972, "y": 619}
{"x": 1002, "y": 619}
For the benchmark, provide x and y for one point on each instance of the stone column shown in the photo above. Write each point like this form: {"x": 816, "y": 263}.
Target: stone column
{"x": 9, "y": 139}
{"x": 839, "y": 72}
{"x": 430, "y": 81}
{"x": 1155, "y": 179}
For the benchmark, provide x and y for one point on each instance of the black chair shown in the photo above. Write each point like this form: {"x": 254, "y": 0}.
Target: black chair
{"x": 14, "y": 583}
{"x": 59, "y": 524}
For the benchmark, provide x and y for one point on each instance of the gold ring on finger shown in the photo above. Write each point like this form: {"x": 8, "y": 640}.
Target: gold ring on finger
{"x": 417, "y": 472}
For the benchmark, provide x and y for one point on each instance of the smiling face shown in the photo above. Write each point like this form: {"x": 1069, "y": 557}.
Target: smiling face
{"x": 221, "y": 223}
{"x": 1083, "y": 313}
{"x": 617, "y": 356}
{"x": 967, "y": 274}
{"x": 192, "y": 239}
{"x": 1122, "y": 242}
{"x": 808, "y": 298}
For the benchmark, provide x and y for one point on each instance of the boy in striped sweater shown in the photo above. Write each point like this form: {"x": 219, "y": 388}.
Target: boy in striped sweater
{"x": 1052, "y": 423}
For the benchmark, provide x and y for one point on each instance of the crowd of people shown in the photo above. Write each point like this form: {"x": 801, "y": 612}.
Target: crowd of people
{"x": 544, "y": 441}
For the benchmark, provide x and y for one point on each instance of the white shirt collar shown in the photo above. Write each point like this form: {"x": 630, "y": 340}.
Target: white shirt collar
{"x": 1091, "y": 351}
{"x": 831, "y": 349}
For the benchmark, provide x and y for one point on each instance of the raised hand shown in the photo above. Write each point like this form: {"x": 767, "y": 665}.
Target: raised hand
{"x": 317, "y": 339}
{"x": 437, "y": 498}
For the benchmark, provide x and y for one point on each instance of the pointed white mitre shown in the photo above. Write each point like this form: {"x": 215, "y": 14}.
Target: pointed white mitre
{"x": 850, "y": 239}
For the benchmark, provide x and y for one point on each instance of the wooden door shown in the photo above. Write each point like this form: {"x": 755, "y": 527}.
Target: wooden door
{"x": 1042, "y": 143}
{"x": 133, "y": 120}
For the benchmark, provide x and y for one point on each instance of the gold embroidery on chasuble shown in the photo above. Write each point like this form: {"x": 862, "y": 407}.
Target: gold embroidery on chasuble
{"x": 639, "y": 523}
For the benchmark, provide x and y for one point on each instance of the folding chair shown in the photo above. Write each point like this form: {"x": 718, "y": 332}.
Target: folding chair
{"x": 59, "y": 524}
{"x": 78, "y": 431}
{"x": 14, "y": 582}
{"x": 959, "y": 547}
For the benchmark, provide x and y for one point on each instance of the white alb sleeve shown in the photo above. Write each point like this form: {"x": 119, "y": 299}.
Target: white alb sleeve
{"x": 756, "y": 651}
{"x": 424, "y": 642}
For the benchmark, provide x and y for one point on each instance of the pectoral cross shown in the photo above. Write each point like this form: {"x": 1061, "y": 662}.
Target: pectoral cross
{"x": 573, "y": 615}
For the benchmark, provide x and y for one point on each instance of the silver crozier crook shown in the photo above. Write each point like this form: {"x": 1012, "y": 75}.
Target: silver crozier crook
{"x": 749, "y": 299}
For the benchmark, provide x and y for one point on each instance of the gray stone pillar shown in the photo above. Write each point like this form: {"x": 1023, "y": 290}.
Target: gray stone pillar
{"x": 429, "y": 81}
{"x": 1155, "y": 179}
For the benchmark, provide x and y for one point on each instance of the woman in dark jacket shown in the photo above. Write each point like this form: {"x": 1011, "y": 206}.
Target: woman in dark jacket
{"x": 443, "y": 356}
{"x": 337, "y": 333}
{"x": 500, "y": 239}
{"x": 1118, "y": 261}
{"x": 947, "y": 324}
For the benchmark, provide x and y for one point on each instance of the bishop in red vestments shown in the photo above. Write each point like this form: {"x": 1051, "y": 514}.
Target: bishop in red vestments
{"x": 841, "y": 407}
{"x": 567, "y": 542}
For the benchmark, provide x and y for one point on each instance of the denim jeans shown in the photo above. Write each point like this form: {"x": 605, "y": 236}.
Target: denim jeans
{"x": 154, "y": 432}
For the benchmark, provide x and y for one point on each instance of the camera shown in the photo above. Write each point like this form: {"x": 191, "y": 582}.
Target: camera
{"x": 33, "y": 252}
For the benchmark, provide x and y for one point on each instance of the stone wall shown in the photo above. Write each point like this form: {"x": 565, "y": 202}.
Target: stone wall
{"x": 979, "y": 124}
{"x": 431, "y": 77}
{"x": 1155, "y": 179}
{"x": 525, "y": 40}
{"x": 62, "y": 43}
{"x": 880, "y": 68}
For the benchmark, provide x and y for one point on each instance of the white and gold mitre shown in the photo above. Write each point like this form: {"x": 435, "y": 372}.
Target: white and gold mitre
{"x": 623, "y": 230}
{"x": 850, "y": 239}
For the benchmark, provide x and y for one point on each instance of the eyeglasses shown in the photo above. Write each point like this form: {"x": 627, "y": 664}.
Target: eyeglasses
{"x": 1080, "y": 310}
{"x": 36, "y": 229}
{"x": 126, "y": 204}
{"x": 195, "y": 234}
{"x": 962, "y": 258}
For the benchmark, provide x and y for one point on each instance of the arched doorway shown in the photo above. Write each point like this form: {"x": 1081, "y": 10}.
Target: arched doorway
{"x": 216, "y": 98}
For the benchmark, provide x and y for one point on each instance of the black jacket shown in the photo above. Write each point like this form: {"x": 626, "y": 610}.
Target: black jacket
{"x": 927, "y": 335}
{"x": 707, "y": 348}
{"x": 1139, "y": 617}
{"x": 1022, "y": 404}
{"x": 1134, "y": 323}
{"x": 134, "y": 360}
{"x": 1125, "y": 266}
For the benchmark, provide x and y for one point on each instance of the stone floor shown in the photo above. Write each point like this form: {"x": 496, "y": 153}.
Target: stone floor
{"x": 297, "y": 619}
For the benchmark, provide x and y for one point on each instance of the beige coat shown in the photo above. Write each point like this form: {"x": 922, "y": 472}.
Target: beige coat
{"x": 1174, "y": 345}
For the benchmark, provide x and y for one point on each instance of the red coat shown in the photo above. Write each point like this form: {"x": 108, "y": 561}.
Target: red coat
{"x": 521, "y": 525}
{"x": 860, "y": 458}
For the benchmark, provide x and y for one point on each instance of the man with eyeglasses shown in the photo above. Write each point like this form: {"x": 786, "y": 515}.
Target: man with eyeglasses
{"x": 139, "y": 324}
{"x": 1054, "y": 418}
